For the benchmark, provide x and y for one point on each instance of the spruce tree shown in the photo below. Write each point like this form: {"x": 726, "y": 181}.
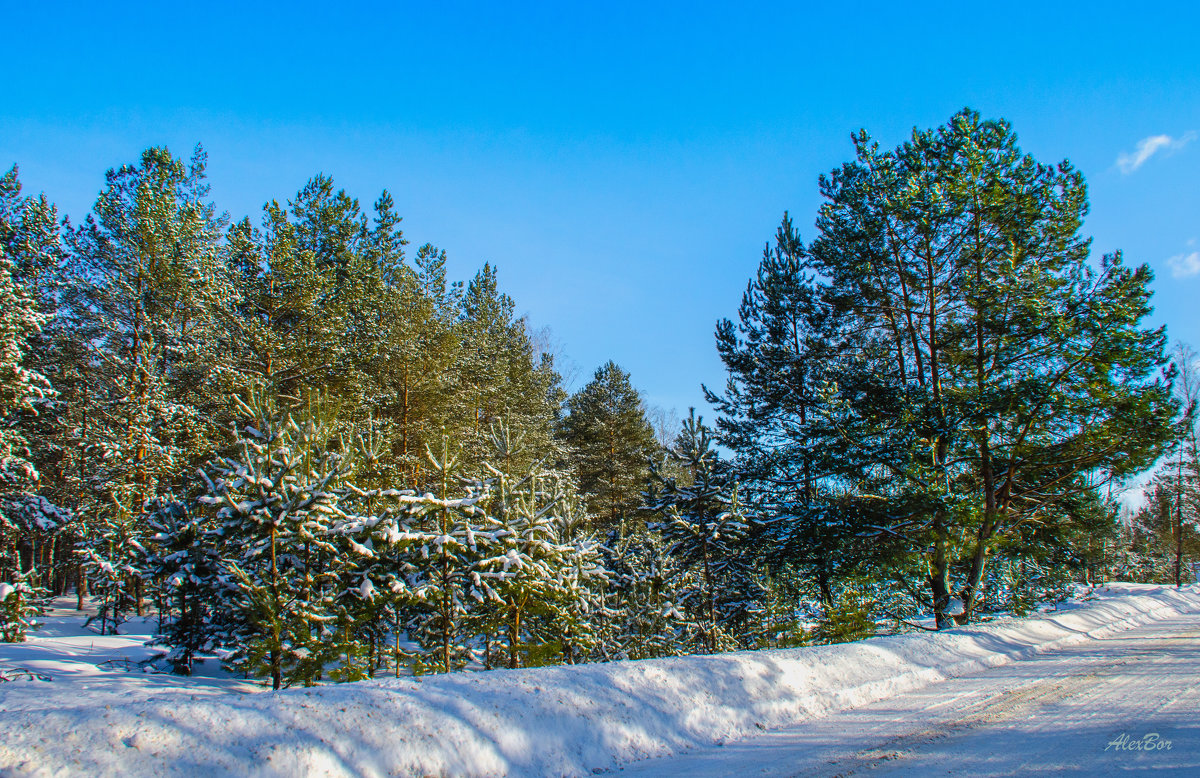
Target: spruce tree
{"x": 183, "y": 554}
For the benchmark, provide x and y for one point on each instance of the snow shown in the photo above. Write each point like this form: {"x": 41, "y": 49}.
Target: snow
{"x": 540, "y": 721}
{"x": 87, "y": 669}
{"x": 1074, "y": 710}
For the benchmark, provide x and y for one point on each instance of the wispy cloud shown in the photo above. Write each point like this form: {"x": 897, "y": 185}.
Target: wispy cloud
{"x": 1148, "y": 147}
{"x": 1184, "y": 265}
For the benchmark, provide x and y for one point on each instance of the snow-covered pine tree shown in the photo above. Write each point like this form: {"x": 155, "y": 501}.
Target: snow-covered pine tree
{"x": 372, "y": 594}
{"x": 577, "y": 614}
{"x": 642, "y": 617}
{"x": 113, "y": 554}
{"x": 449, "y": 536}
{"x": 182, "y": 555}
{"x": 148, "y": 284}
{"x": 535, "y": 576}
{"x": 26, "y": 518}
{"x": 275, "y": 501}
{"x": 33, "y": 430}
{"x": 20, "y": 605}
{"x": 705, "y": 527}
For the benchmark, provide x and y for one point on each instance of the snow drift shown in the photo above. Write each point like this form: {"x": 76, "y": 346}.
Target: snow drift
{"x": 542, "y": 721}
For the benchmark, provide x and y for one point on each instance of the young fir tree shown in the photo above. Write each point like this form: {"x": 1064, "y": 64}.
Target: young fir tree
{"x": 378, "y": 569}
{"x": 705, "y": 528}
{"x": 642, "y": 617}
{"x": 610, "y": 443}
{"x": 183, "y": 555}
{"x": 449, "y": 537}
{"x": 376, "y": 539}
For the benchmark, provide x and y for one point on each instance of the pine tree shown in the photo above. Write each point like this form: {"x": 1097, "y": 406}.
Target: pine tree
{"x": 537, "y": 577}
{"x": 642, "y": 616}
{"x": 610, "y": 444}
{"x": 450, "y": 536}
{"x": 29, "y": 522}
{"x": 500, "y": 376}
{"x": 146, "y": 265}
{"x": 274, "y": 503}
{"x": 986, "y": 365}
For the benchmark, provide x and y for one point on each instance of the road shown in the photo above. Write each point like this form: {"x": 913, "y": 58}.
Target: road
{"x": 1080, "y": 710}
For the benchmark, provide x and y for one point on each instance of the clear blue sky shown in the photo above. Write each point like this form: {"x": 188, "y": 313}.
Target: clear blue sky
{"x": 621, "y": 164}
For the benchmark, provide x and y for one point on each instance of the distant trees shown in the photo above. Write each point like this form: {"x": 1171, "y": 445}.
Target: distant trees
{"x": 1165, "y": 531}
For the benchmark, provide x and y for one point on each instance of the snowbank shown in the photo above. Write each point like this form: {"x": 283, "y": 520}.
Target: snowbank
{"x": 545, "y": 721}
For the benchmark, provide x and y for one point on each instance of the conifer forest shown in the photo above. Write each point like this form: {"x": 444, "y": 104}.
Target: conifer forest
{"x": 301, "y": 446}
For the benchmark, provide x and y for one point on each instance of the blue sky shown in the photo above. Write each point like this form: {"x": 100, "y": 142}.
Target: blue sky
{"x": 622, "y": 164}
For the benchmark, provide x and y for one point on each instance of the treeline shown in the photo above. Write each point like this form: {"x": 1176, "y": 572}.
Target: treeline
{"x": 304, "y": 445}
{"x": 300, "y": 443}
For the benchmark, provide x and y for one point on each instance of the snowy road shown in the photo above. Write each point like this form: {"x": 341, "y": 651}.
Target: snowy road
{"x": 1055, "y": 713}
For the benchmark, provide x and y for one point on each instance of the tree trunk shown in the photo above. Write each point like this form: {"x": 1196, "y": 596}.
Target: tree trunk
{"x": 80, "y": 587}
{"x": 939, "y": 585}
{"x": 514, "y": 638}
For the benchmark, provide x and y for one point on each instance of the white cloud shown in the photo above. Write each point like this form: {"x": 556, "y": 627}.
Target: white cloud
{"x": 1185, "y": 265}
{"x": 1148, "y": 147}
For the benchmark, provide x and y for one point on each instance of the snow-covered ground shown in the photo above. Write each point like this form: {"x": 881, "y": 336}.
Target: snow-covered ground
{"x": 86, "y": 668}
{"x": 1124, "y": 703}
{"x": 544, "y": 721}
